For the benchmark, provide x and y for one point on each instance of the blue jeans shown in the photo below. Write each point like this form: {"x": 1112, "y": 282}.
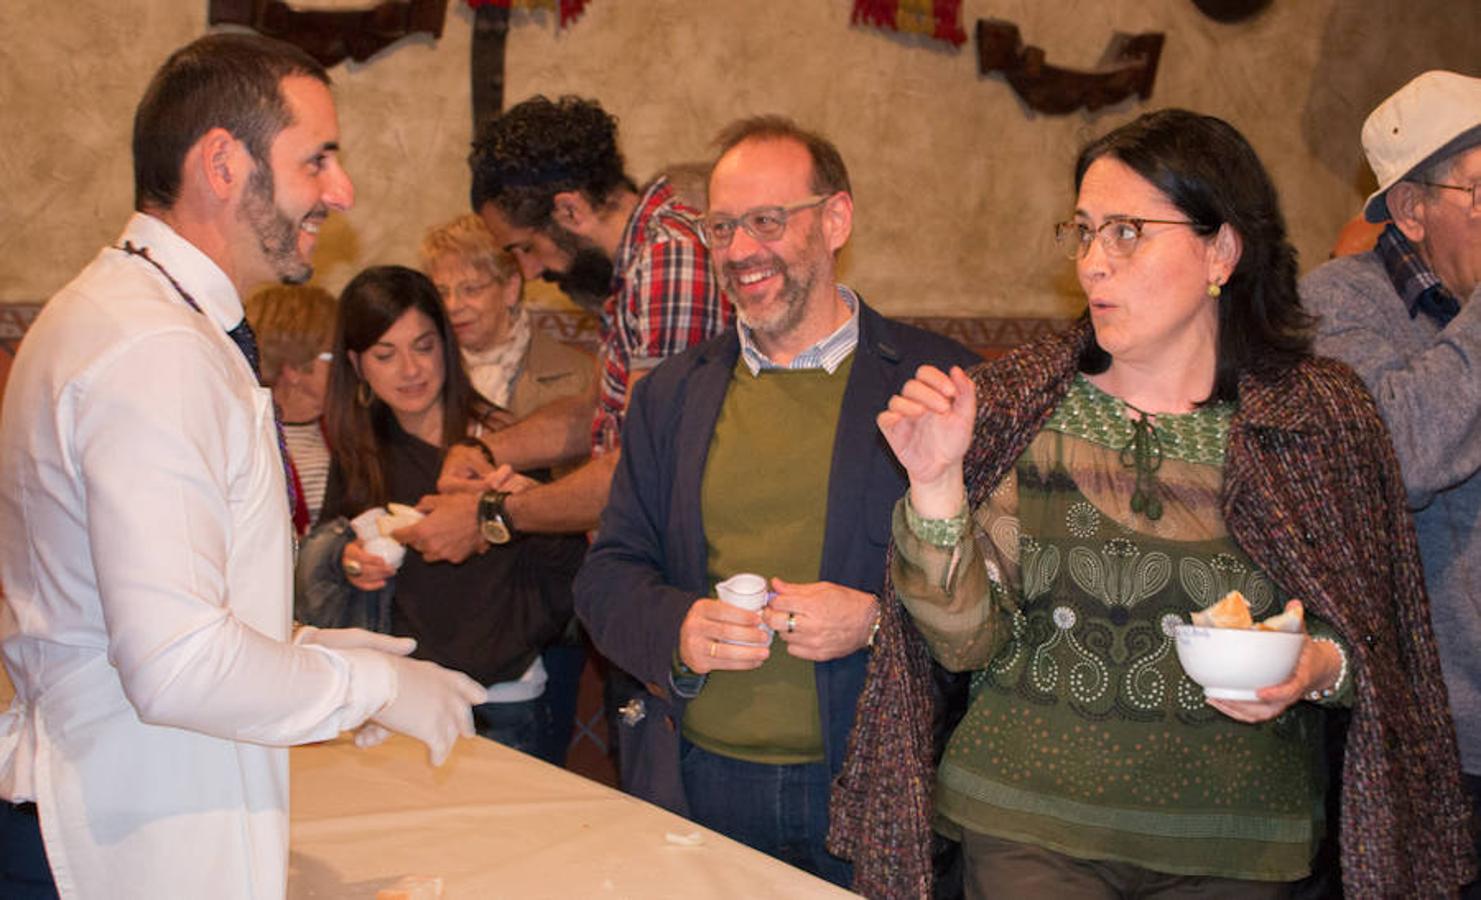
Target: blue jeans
{"x": 24, "y": 872}
{"x": 563, "y": 664}
{"x": 780, "y": 810}
{"x": 524, "y": 725}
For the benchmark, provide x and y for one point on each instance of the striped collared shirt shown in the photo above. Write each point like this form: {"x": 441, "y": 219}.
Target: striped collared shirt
{"x": 826, "y": 354}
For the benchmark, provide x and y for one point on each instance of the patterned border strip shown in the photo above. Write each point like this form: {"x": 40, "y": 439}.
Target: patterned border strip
{"x": 988, "y": 335}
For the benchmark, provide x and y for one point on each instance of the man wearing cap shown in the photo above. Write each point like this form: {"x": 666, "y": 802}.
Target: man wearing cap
{"x": 1405, "y": 316}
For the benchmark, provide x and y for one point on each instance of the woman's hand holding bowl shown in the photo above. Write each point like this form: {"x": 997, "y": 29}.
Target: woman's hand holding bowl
{"x": 1317, "y": 668}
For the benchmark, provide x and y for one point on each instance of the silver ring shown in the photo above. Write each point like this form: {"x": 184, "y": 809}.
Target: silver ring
{"x": 353, "y": 568}
{"x": 791, "y": 622}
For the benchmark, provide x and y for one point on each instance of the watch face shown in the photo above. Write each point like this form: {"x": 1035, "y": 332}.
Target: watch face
{"x": 495, "y": 531}
{"x": 491, "y": 522}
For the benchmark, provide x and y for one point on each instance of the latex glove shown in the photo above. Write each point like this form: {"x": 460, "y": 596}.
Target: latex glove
{"x": 370, "y": 735}
{"x": 354, "y": 639}
{"x": 432, "y": 704}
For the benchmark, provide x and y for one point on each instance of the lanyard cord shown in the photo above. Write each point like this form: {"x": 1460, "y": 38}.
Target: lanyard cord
{"x": 246, "y": 342}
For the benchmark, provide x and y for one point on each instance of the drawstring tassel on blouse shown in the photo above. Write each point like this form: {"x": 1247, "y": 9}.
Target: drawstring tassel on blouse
{"x": 1143, "y": 453}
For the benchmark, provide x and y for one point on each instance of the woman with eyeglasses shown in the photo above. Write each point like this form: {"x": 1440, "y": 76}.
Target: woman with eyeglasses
{"x": 398, "y": 398}
{"x": 517, "y": 366}
{"x": 520, "y": 368}
{"x": 294, "y": 325}
{"x": 1074, "y": 501}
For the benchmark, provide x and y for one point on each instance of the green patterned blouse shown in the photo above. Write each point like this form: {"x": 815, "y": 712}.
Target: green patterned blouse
{"x": 1083, "y": 734}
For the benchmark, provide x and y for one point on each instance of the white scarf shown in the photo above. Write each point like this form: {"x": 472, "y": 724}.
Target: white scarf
{"x": 493, "y": 371}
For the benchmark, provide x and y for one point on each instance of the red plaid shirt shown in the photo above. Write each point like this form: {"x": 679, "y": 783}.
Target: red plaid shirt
{"x": 664, "y": 301}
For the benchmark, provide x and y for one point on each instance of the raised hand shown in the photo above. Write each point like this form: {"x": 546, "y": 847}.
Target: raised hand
{"x": 929, "y": 427}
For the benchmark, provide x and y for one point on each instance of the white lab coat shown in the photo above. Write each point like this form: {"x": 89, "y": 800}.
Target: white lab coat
{"x": 145, "y": 550}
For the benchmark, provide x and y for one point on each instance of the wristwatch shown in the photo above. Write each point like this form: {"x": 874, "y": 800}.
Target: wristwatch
{"x": 493, "y": 521}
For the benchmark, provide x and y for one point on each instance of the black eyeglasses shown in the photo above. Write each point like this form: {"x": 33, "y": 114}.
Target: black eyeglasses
{"x": 1118, "y": 235}
{"x": 1456, "y": 187}
{"x": 764, "y": 223}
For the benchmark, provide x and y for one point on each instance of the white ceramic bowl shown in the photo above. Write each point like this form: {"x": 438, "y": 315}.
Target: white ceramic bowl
{"x": 1232, "y": 663}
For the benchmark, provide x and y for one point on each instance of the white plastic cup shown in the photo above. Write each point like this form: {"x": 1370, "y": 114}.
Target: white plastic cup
{"x": 746, "y": 590}
{"x": 365, "y": 525}
{"x": 387, "y": 549}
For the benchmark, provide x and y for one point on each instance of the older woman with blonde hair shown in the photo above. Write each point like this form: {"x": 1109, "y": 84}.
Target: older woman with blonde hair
{"x": 295, "y": 326}
{"x": 513, "y": 364}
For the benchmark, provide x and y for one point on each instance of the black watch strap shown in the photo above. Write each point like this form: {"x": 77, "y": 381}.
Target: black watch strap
{"x": 481, "y": 447}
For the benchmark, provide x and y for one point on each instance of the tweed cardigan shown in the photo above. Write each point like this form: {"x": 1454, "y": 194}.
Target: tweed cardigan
{"x": 1312, "y": 493}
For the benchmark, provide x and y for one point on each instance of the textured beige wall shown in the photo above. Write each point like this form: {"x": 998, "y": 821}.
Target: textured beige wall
{"x": 957, "y": 183}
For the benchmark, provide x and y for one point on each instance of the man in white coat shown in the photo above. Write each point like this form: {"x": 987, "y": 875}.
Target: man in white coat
{"x": 145, "y": 539}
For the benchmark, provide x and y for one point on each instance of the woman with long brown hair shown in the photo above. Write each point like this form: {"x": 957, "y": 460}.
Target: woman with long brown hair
{"x": 398, "y": 398}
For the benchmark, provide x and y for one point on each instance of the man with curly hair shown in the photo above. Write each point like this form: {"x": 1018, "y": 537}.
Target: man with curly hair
{"x": 549, "y": 181}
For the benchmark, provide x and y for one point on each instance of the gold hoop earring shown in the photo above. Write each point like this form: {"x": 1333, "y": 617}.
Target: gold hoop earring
{"x": 363, "y": 396}
{"x": 1214, "y": 290}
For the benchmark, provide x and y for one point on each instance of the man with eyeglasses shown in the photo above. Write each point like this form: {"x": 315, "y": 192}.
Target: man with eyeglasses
{"x": 1406, "y": 316}
{"x": 757, "y": 453}
{"x": 549, "y": 183}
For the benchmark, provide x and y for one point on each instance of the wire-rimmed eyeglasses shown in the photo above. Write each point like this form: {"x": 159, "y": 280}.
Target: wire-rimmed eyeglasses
{"x": 466, "y": 290}
{"x": 1118, "y": 235}
{"x": 1475, "y": 195}
{"x": 764, "y": 223}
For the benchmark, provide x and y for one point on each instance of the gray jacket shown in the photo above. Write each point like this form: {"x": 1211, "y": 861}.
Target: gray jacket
{"x": 1427, "y": 381}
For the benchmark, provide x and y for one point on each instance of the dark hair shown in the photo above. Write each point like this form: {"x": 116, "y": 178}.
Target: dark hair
{"x": 371, "y": 303}
{"x": 829, "y": 174}
{"x": 1210, "y": 172}
{"x": 230, "y": 81}
{"x": 540, "y": 148}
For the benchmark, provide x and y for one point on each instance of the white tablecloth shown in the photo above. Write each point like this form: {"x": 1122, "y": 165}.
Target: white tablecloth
{"x": 496, "y": 823}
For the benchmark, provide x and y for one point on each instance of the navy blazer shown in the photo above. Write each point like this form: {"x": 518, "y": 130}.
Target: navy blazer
{"x": 648, "y": 563}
